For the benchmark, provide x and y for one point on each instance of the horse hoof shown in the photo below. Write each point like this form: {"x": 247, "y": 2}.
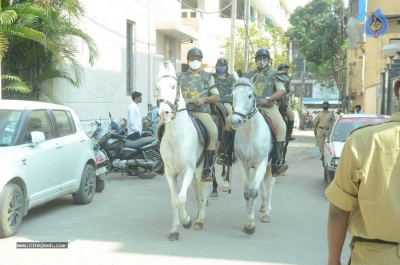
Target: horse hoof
{"x": 262, "y": 209}
{"x": 249, "y": 231}
{"x": 276, "y": 180}
{"x": 188, "y": 225}
{"x": 266, "y": 219}
{"x": 198, "y": 226}
{"x": 225, "y": 189}
{"x": 173, "y": 236}
{"x": 214, "y": 194}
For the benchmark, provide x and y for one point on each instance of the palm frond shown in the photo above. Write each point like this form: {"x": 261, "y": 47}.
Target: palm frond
{"x": 30, "y": 10}
{"x": 54, "y": 73}
{"x": 3, "y": 44}
{"x": 49, "y": 98}
{"x": 11, "y": 78}
{"x": 8, "y": 17}
{"x": 17, "y": 86}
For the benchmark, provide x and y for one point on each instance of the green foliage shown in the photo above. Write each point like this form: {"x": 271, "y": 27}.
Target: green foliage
{"x": 41, "y": 43}
{"x": 271, "y": 39}
{"x": 319, "y": 29}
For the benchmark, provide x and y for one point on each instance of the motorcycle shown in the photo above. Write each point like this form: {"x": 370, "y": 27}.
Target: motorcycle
{"x": 101, "y": 160}
{"x": 137, "y": 157}
{"x": 308, "y": 123}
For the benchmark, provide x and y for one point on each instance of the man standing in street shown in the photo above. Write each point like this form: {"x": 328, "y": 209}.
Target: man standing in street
{"x": 364, "y": 195}
{"x": 134, "y": 123}
{"x": 322, "y": 123}
{"x": 358, "y": 109}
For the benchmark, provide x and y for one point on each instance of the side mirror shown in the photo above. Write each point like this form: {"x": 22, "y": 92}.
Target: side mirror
{"x": 37, "y": 137}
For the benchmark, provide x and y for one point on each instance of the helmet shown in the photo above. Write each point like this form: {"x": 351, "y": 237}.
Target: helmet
{"x": 261, "y": 52}
{"x": 283, "y": 65}
{"x": 194, "y": 52}
{"x": 222, "y": 60}
{"x": 325, "y": 102}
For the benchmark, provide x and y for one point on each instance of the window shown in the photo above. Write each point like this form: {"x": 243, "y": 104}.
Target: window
{"x": 39, "y": 121}
{"x": 297, "y": 90}
{"x": 168, "y": 49}
{"x": 65, "y": 122}
{"x": 130, "y": 57}
{"x": 184, "y": 14}
{"x": 193, "y": 14}
{"x": 308, "y": 93}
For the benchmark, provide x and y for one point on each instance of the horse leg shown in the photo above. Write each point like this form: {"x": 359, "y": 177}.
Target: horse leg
{"x": 249, "y": 227}
{"x": 173, "y": 185}
{"x": 226, "y": 187}
{"x": 223, "y": 174}
{"x": 214, "y": 192}
{"x": 205, "y": 188}
{"x": 267, "y": 196}
{"x": 183, "y": 216}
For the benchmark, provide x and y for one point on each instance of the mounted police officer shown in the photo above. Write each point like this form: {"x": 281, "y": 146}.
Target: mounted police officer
{"x": 322, "y": 123}
{"x": 269, "y": 87}
{"x": 192, "y": 83}
{"x": 283, "y": 102}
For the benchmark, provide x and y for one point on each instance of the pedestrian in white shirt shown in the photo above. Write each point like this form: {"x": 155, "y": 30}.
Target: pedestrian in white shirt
{"x": 134, "y": 117}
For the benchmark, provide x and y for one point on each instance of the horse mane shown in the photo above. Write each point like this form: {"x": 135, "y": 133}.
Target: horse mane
{"x": 246, "y": 81}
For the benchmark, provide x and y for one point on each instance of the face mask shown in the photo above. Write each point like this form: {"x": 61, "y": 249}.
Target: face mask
{"x": 262, "y": 63}
{"x": 325, "y": 107}
{"x": 195, "y": 64}
{"x": 140, "y": 100}
{"x": 221, "y": 69}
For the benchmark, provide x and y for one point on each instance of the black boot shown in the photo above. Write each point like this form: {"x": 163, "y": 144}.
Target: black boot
{"x": 158, "y": 167}
{"x": 290, "y": 130}
{"x": 207, "y": 171}
{"x": 277, "y": 167}
{"x": 225, "y": 159}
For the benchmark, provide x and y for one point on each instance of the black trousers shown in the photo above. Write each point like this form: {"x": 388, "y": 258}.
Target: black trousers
{"x": 134, "y": 136}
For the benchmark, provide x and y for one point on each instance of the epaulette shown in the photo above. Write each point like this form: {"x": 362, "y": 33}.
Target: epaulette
{"x": 363, "y": 126}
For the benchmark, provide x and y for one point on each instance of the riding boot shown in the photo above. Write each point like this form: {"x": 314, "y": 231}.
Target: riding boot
{"x": 158, "y": 167}
{"x": 290, "y": 131}
{"x": 207, "y": 170}
{"x": 225, "y": 159}
{"x": 277, "y": 167}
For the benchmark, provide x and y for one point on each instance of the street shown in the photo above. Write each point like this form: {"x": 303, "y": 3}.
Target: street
{"x": 129, "y": 223}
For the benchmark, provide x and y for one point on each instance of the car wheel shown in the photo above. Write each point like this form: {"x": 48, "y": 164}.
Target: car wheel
{"x": 100, "y": 185}
{"x": 87, "y": 187}
{"x": 11, "y": 210}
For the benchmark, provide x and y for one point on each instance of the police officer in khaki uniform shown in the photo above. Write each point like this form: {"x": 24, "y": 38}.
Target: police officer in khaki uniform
{"x": 283, "y": 102}
{"x": 269, "y": 87}
{"x": 364, "y": 195}
{"x": 322, "y": 123}
{"x": 193, "y": 83}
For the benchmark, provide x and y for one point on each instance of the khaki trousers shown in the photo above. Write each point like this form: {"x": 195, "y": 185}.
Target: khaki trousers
{"x": 276, "y": 117}
{"x": 206, "y": 119}
{"x": 321, "y": 139}
{"x": 363, "y": 253}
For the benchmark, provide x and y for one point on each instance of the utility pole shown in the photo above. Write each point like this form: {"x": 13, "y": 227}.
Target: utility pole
{"x": 303, "y": 81}
{"x": 246, "y": 42}
{"x": 232, "y": 46}
{"x": 340, "y": 42}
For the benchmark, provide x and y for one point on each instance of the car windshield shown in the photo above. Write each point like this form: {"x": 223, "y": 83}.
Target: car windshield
{"x": 345, "y": 125}
{"x": 8, "y": 123}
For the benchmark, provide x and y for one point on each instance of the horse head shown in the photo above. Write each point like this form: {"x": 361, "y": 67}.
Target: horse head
{"x": 244, "y": 102}
{"x": 169, "y": 93}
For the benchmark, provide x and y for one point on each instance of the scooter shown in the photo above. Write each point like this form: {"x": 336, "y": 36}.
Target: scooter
{"x": 308, "y": 123}
{"x": 101, "y": 159}
{"x": 137, "y": 157}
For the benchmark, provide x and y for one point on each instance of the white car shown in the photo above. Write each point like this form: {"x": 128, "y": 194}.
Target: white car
{"x": 337, "y": 135}
{"x": 44, "y": 154}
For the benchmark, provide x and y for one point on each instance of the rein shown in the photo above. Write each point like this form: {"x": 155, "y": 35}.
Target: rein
{"x": 174, "y": 106}
{"x": 253, "y": 111}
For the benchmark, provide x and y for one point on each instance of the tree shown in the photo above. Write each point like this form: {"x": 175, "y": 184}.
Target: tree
{"x": 270, "y": 39}
{"x": 320, "y": 26}
{"x": 54, "y": 55}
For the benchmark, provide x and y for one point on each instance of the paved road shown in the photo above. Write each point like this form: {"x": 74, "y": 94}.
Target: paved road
{"x": 129, "y": 223}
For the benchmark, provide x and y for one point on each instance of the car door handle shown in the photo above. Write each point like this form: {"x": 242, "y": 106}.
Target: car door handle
{"x": 58, "y": 145}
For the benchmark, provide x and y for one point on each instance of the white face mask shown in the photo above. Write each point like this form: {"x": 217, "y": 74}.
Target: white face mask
{"x": 195, "y": 64}
{"x": 262, "y": 63}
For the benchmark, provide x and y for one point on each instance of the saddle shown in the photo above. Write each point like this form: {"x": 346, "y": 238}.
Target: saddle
{"x": 202, "y": 133}
{"x": 220, "y": 118}
{"x": 271, "y": 124}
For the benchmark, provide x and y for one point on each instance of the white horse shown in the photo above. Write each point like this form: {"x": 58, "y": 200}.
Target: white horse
{"x": 180, "y": 149}
{"x": 253, "y": 145}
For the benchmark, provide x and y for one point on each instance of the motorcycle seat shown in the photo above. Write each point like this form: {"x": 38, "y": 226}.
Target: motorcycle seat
{"x": 139, "y": 142}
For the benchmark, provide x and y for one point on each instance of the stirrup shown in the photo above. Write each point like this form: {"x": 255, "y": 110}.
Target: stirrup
{"x": 223, "y": 160}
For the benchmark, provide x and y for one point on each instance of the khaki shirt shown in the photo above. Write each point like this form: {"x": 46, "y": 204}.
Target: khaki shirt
{"x": 211, "y": 82}
{"x": 325, "y": 119}
{"x": 367, "y": 181}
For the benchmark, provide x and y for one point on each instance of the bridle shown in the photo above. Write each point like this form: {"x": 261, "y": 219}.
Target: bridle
{"x": 253, "y": 111}
{"x": 174, "y": 106}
